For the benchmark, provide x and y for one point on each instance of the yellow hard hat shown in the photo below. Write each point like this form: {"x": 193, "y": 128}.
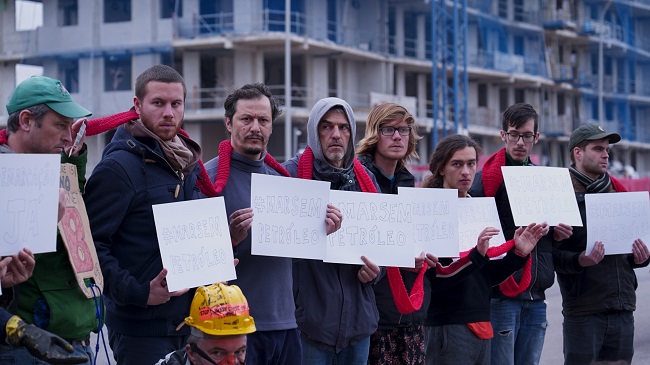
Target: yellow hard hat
{"x": 220, "y": 310}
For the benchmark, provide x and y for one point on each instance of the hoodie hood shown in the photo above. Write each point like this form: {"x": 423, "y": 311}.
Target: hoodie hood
{"x": 313, "y": 141}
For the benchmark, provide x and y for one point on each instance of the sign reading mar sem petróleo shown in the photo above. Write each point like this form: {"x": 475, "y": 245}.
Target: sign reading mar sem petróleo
{"x": 194, "y": 240}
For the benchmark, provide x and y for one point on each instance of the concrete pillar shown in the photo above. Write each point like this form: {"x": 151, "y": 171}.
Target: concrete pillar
{"x": 422, "y": 37}
{"x": 399, "y": 31}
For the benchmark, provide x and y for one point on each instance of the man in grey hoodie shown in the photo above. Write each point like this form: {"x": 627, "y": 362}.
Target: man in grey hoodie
{"x": 335, "y": 303}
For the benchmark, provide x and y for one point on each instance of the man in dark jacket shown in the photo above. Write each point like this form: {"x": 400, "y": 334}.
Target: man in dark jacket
{"x": 518, "y": 310}
{"x": 146, "y": 163}
{"x": 598, "y": 291}
{"x": 335, "y": 303}
{"x": 388, "y": 144}
{"x": 250, "y": 113}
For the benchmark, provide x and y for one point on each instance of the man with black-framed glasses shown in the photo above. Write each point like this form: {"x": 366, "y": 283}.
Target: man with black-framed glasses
{"x": 517, "y": 309}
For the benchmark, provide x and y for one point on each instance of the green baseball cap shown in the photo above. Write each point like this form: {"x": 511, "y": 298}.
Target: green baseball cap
{"x": 591, "y": 132}
{"x": 44, "y": 90}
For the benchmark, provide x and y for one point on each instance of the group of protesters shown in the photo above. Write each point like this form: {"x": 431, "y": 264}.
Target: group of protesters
{"x": 485, "y": 307}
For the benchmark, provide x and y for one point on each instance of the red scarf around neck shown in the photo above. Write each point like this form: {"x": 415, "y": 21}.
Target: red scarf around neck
{"x": 223, "y": 170}
{"x": 492, "y": 178}
{"x": 101, "y": 125}
{"x": 406, "y": 303}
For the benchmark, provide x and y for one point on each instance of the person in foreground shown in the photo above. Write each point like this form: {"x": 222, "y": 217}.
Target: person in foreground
{"x": 37, "y": 288}
{"x": 598, "y": 290}
{"x": 336, "y": 330}
{"x": 219, "y": 323}
{"x": 458, "y": 324}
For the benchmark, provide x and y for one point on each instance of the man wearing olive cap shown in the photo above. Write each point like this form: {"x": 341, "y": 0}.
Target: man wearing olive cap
{"x": 598, "y": 291}
{"x": 42, "y": 120}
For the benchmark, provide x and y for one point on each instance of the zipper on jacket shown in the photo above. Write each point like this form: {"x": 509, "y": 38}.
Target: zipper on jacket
{"x": 178, "y": 173}
{"x": 530, "y": 289}
{"x": 181, "y": 176}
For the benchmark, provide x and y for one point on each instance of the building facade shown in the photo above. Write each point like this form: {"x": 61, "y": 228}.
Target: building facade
{"x": 545, "y": 53}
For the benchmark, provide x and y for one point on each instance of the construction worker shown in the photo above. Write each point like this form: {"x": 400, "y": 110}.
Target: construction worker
{"x": 219, "y": 321}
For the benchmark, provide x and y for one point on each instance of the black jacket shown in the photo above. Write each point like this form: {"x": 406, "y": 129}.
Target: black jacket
{"x": 542, "y": 274}
{"x": 132, "y": 176}
{"x": 468, "y": 301}
{"x": 389, "y": 316}
{"x": 607, "y": 286}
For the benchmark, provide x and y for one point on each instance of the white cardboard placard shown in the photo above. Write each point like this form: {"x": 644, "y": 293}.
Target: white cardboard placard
{"x": 374, "y": 225}
{"x": 474, "y": 215}
{"x": 194, "y": 240}
{"x": 435, "y": 220}
{"x": 29, "y": 202}
{"x": 541, "y": 194}
{"x": 289, "y": 216}
{"x": 617, "y": 219}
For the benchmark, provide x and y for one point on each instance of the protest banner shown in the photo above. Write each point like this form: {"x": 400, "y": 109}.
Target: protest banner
{"x": 29, "y": 202}
{"x": 77, "y": 238}
{"x": 289, "y": 216}
{"x": 474, "y": 215}
{"x": 435, "y": 220}
{"x": 541, "y": 194}
{"x": 194, "y": 241}
{"x": 617, "y": 219}
{"x": 377, "y": 226}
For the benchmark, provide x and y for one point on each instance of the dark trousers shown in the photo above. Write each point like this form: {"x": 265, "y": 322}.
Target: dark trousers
{"x": 132, "y": 350}
{"x": 598, "y": 337}
{"x": 455, "y": 344}
{"x": 274, "y": 348}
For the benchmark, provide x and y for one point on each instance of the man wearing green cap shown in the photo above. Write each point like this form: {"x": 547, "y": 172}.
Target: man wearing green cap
{"x": 598, "y": 291}
{"x": 41, "y": 120}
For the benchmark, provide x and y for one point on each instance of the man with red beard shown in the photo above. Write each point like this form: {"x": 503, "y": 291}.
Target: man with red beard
{"x": 518, "y": 310}
{"x": 146, "y": 163}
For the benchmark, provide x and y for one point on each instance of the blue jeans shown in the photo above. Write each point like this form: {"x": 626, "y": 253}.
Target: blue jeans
{"x": 519, "y": 330}
{"x": 274, "y": 348}
{"x": 355, "y": 354}
{"x": 598, "y": 337}
{"x": 20, "y": 355}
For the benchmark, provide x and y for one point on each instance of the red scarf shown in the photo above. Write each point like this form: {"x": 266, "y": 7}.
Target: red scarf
{"x": 101, "y": 125}
{"x": 406, "y": 303}
{"x": 223, "y": 170}
{"x": 492, "y": 180}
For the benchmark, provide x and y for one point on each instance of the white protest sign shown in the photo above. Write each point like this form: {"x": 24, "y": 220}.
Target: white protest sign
{"x": 541, "y": 194}
{"x": 435, "y": 220}
{"x": 617, "y": 219}
{"x": 194, "y": 241}
{"x": 29, "y": 202}
{"x": 374, "y": 225}
{"x": 289, "y": 216}
{"x": 474, "y": 215}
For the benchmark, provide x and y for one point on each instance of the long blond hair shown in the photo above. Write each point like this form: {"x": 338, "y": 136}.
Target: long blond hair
{"x": 379, "y": 116}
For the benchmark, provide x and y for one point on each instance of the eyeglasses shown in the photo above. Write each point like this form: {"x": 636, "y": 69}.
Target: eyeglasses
{"x": 389, "y": 131}
{"x": 527, "y": 137}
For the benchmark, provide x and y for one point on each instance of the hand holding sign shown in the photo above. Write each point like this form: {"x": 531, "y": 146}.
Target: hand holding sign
{"x": 333, "y": 218}
{"x": 369, "y": 271}
{"x": 562, "y": 231}
{"x": 240, "y": 222}
{"x": 19, "y": 268}
{"x": 158, "y": 292}
{"x": 595, "y": 256}
{"x": 640, "y": 251}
